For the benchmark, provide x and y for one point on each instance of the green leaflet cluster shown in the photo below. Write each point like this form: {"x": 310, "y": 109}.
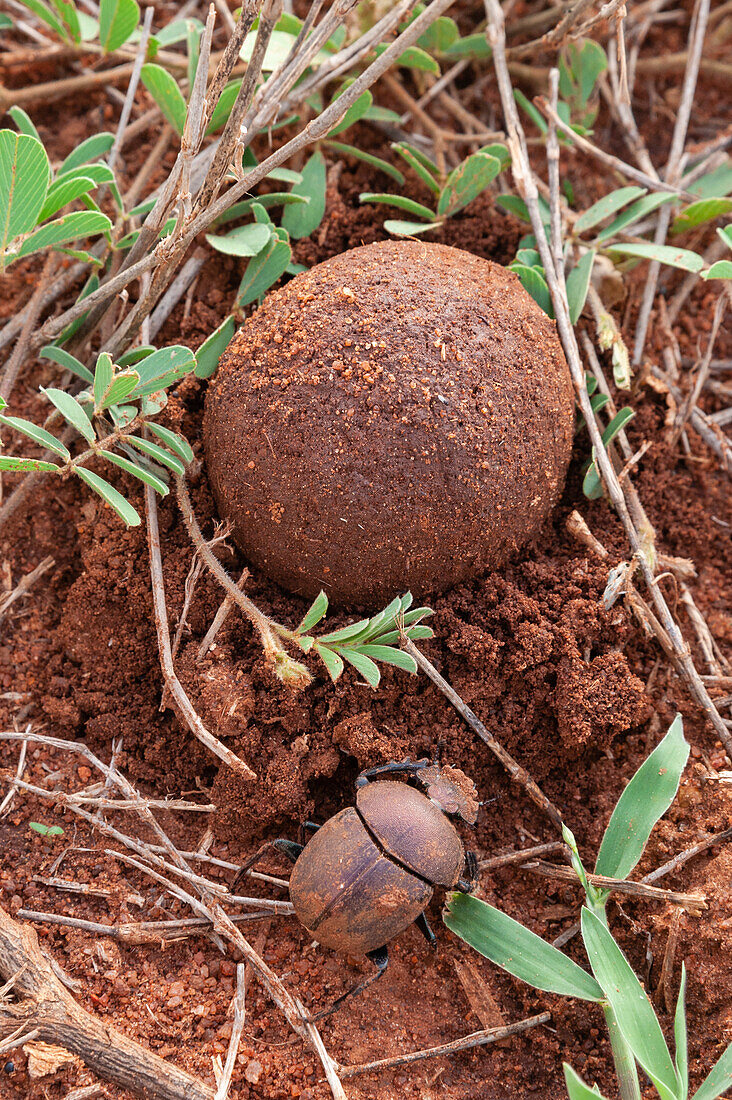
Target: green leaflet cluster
{"x": 115, "y": 417}
{"x": 363, "y": 643}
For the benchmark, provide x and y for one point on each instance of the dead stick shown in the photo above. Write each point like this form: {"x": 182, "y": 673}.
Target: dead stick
{"x": 497, "y": 862}
{"x": 172, "y": 682}
{"x": 517, "y": 773}
{"x": 477, "y": 1039}
{"x": 693, "y": 902}
{"x": 46, "y": 1006}
{"x": 222, "y": 1090}
{"x": 25, "y": 584}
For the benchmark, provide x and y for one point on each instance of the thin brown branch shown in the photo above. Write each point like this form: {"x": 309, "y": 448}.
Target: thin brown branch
{"x": 510, "y": 858}
{"x": 173, "y": 684}
{"x": 694, "y": 903}
{"x": 517, "y": 773}
{"x": 222, "y": 1090}
{"x": 24, "y": 585}
{"x": 135, "y": 933}
{"x": 477, "y": 1039}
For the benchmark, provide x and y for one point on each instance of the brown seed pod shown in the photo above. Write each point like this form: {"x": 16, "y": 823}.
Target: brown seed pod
{"x": 399, "y": 417}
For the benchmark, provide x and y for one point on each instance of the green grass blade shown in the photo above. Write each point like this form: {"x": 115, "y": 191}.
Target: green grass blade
{"x": 644, "y": 801}
{"x": 518, "y": 950}
{"x": 389, "y": 656}
{"x": 576, "y": 1088}
{"x": 37, "y": 434}
{"x": 719, "y": 1080}
{"x": 147, "y": 476}
{"x": 636, "y": 1019}
{"x": 607, "y": 205}
{"x": 681, "y": 1038}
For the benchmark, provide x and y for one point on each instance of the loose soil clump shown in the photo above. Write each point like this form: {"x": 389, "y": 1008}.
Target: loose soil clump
{"x": 399, "y": 417}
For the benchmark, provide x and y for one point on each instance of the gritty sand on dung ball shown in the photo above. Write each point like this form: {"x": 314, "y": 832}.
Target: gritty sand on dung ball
{"x": 399, "y": 417}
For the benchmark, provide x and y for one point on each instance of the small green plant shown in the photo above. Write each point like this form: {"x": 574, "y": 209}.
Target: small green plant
{"x": 464, "y": 183}
{"x": 580, "y": 65}
{"x": 46, "y": 830}
{"x": 30, "y": 194}
{"x": 635, "y": 1033}
{"x": 109, "y": 415}
{"x": 117, "y": 22}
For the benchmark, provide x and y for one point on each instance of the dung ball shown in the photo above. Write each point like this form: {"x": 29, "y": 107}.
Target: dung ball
{"x": 398, "y": 417}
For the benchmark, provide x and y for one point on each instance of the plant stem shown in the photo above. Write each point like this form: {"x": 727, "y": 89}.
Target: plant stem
{"x": 625, "y": 1066}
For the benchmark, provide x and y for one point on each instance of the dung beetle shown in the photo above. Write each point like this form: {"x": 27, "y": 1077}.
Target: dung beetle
{"x": 370, "y": 871}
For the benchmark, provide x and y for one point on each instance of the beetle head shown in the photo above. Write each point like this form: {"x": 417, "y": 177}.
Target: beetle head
{"x": 451, "y": 789}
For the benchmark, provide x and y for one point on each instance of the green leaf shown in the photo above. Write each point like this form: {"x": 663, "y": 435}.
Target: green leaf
{"x": 90, "y": 149}
{"x": 383, "y": 114}
{"x": 38, "y": 435}
{"x": 576, "y": 1088}
{"x": 663, "y": 253}
{"x": 697, "y": 213}
{"x": 721, "y": 270}
{"x": 467, "y": 181}
{"x": 193, "y": 47}
{"x": 274, "y": 198}
{"x": 536, "y": 117}
{"x": 578, "y": 282}
{"x": 8, "y": 462}
{"x": 263, "y": 271}
{"x": 316, "y": 612}
{"x": 514, "y": 948}
{"x": 644, "y": 801}
{"x": 222, "y": 110}
{"x": 174, "y": 442}
{"x": 719, "y": 1080}
{"x": 356, "y": 111}
{"x": 246, "y": 240}
{"x": 66, "y": 360}
{"x": 636, "y": 1019}
{"x": 472, "y": 46}
{"x": 535, "y": 283}
{"x": 409, "y": 229}
{"x": 440, "y": 36}
{"x": 144, "y": 475}
{"x": 47, "y": 16}
{"x": 46, "y": 830}
{"x": 124, "y": 383}
{"x": 71, "y": 411}
{"x": 108, "y": 493}
{"x": 681, "y": 1038}
{"x": 163, "y": 367}
{"x": 68, "y": 15}
{"x": 331, "y": 660}
{"x": 715, "y": 184}
{"x": 415, "y": 58}
{"x": 301, "y": 221}
{"x": 6, "y": 23}
{"x": 634, "y": 213}
{"x": 213, "y": 347}
{"x": 63, "y": 192}
{"x": 71, "y": 227}
{"x": 419, "y": 164}
{"x": 364, "y": 665}
{"x": 389, "y": 656}
{"x": 23, "y": 121}
{"x": 345, "y": 633}
{"x": 277, "y": 51}
{"x": 400, "y": 201}
{"x": 368, "y": 158}
{"x": 607, "y": 205}
{"x": 24, "y": 177}
{"x": 117, "y": 20}
{"x": 592, "y": 485}
{"x": 158, "y": 453}
{"x": 514, "y": 205}
{"x": 166, "y": 93}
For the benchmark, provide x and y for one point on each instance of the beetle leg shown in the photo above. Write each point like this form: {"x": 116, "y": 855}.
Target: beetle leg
{"x": 424, "y": 926}
{"x": 467, "y": 884}
{"x": 394, "y": 767}
{"x": 288, "y": 848}
{"x": 311, "y": 826}
{"x": 380, "y": 958}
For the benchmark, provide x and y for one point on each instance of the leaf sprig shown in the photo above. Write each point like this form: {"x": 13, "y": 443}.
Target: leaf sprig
{"x": 119, "y": 401}
{"x": 364, "y": 643}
